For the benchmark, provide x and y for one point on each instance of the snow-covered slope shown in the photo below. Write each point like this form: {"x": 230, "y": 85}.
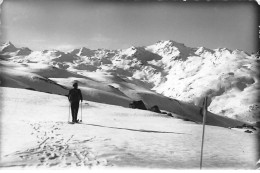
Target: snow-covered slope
{"x": 100, "y": 87}
{"x": 35, "y": 134}
{"x": 229, "y": 78}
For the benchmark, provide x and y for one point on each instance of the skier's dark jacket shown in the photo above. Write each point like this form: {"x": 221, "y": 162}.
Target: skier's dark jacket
{"x": 75, "y": 95}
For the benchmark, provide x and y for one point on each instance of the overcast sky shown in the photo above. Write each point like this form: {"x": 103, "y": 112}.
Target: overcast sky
{"x": 64, "y": 25}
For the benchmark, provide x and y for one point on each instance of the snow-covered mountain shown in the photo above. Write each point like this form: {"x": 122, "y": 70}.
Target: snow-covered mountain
{"x": 34, "y": 105}
{"x": 8, "y": 47}
{"x": 229, "y": 78}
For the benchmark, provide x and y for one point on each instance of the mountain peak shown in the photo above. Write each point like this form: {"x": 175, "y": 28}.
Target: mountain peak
{"x": 24, "y": 51}
{"x": 133, "y": 50}
{"x": 200, "y": 50}
{"x": 83, "y": 51}
{"x": 168, "y": 42}
{"x": 8, "y": 44}
{"x": 223, "y": 49}
{"x": 8, "y": 47}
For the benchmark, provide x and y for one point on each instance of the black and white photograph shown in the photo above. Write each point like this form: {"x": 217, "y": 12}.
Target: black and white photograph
{"x": 129, "y": 85}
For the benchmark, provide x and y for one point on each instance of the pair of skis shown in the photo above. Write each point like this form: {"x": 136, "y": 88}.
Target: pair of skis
{"x": 78, "y": 122}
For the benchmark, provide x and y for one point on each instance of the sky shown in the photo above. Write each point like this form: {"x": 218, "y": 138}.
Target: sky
{"x": 65, "y": 25}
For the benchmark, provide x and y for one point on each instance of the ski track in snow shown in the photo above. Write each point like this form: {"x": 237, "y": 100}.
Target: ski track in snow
{"x": 56, "y": 150}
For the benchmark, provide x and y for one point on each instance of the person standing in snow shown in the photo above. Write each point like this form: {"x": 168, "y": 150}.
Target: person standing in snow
{"x": 74, "y": 97}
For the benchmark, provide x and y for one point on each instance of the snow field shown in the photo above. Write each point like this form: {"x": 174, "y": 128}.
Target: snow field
{"x": 36, "y": 134}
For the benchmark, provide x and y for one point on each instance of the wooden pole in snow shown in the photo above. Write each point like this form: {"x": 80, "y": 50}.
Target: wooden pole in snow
{"x": 204, "y": 113}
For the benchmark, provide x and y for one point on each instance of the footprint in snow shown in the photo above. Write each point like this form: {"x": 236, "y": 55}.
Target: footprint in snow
{"x": 54, "y": 150}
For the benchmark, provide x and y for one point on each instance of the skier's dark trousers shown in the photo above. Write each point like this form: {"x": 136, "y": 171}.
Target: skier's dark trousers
{"x": 74, "y": 97}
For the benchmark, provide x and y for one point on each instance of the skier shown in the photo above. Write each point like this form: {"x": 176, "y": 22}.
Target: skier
{"x": 74, "y": 97}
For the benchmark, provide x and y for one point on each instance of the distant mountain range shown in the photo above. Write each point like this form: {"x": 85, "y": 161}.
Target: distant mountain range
{"x": 228, "y": 77}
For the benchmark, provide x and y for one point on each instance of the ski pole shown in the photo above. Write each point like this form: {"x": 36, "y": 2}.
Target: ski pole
{"x": 69, "y": 113}
{"x": 81, "y": 111}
